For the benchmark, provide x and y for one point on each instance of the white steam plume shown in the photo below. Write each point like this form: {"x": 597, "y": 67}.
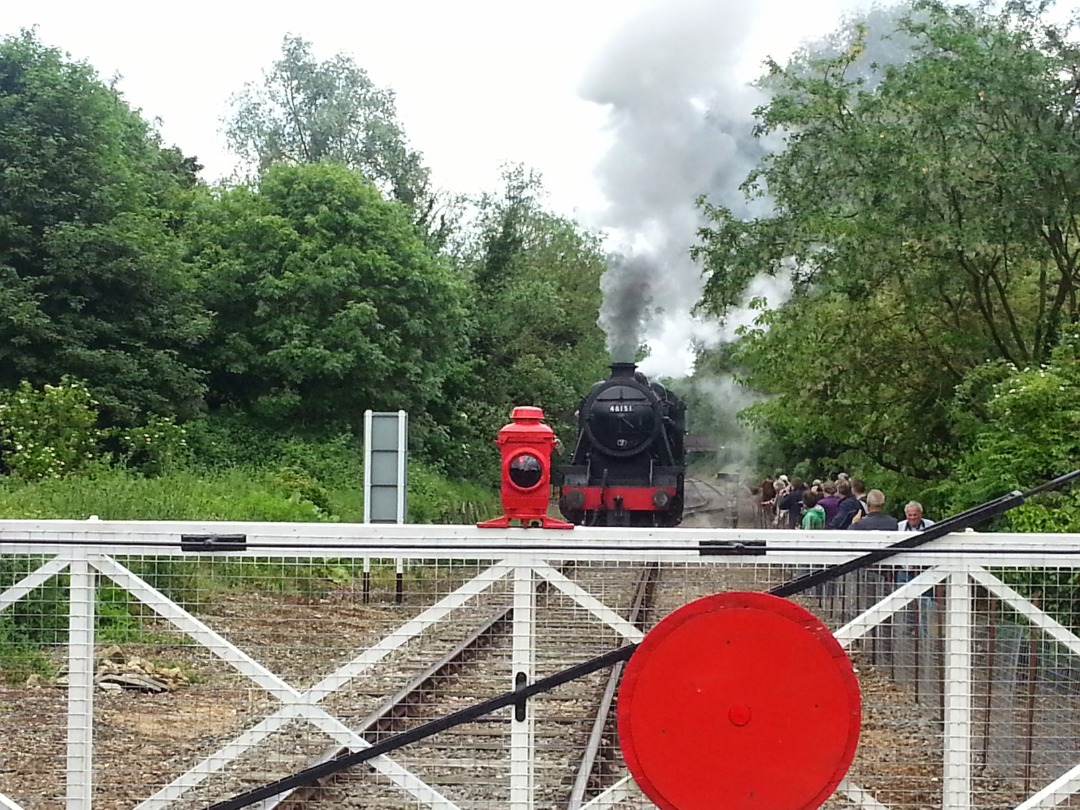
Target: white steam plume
{"x": 682, "y": 126}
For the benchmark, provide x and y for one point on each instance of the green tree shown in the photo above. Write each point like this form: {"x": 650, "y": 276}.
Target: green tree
{"x": 927, "y": 220}
{"x": 307, "y": 111}
{"x": 534, "y": 338}
{"x": 325, "y": 300}
{"x": 1031, "y": 433}
{"x": 92, "y": 281}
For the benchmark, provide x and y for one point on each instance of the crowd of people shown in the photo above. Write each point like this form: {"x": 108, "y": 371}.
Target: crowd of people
{"x": 843, "y": 503}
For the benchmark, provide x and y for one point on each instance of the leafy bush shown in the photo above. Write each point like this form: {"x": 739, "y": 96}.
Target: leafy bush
{"x": 434, "y": 499}
{"x": 157, "y": 447}
{"x": 335, "y": 461}
{"x": 1031, "y": 435}
{"x": 301, "y": 487}
{"x": 48, "y": 433}
{"x": 1054, "y": 513}
{"x": 227, "y": 439}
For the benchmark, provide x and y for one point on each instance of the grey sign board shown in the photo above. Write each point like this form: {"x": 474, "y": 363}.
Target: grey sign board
{"x": 386, "y": 469}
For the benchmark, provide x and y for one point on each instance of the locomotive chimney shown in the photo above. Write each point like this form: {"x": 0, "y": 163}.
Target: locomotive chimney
{"x": 623, "y": 370}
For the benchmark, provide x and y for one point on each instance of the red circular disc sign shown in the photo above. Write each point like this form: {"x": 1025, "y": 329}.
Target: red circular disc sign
{"x": 739, "y": 700}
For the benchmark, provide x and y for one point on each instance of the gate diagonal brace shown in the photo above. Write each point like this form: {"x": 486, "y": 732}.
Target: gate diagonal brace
{"x": 972, "y": 517}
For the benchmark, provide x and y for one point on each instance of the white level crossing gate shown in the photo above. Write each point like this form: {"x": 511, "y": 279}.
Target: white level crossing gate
{"x": 268, "y": 650}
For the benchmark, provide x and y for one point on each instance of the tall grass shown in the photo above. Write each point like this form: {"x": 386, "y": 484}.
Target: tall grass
{"x": 280, "y": 494}
{"x": 227, "y": 468}
{"x": 115, "y": 494}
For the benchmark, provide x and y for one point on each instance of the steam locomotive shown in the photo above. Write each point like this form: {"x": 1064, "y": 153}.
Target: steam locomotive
{"x": 629, "y": 463}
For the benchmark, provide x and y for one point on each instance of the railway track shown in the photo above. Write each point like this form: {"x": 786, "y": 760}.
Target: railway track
{"x": 717, "y": 506}
{"x": 599, "y": 761}
{"x": 576, "y": 749}
{"x": 408, "y": 675}
{"x": 469, "y": 762}
{"x": 392, "y": 715}
{"x": 577, "y": 754}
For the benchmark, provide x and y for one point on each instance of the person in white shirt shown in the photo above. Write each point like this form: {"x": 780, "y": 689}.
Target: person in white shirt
{"x": 914, "y": 520}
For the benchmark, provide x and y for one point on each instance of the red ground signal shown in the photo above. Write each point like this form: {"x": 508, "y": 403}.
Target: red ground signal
{"x": 526, "y": 444}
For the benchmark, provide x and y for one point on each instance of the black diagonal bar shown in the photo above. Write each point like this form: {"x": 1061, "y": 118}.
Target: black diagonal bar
{"x": 310, "y": 776}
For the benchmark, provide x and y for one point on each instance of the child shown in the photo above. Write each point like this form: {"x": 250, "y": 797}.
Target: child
{"x": 813, "y": 515}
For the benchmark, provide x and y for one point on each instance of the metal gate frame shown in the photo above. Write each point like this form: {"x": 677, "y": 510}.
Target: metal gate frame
{"x": 86, "y": 550}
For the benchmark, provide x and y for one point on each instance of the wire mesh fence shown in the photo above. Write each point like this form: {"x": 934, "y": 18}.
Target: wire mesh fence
{"x": 135, "y": 675}
{"x": 1024, "y": 673}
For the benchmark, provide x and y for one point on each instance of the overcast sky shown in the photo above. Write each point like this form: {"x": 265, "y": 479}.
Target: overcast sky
{"x": 480, "y": 83}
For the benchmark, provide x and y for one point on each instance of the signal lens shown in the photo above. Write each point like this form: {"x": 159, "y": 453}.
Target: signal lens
{"x": 526, "y": 471}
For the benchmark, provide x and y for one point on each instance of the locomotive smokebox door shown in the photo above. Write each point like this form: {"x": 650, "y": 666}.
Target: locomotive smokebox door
{"x": 743, "y": 701}
{"x": 526, "y": 445}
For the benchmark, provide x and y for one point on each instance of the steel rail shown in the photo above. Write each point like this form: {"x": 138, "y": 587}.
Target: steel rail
{"x": 639, "y": 609}
{"x": 384, "y": 719}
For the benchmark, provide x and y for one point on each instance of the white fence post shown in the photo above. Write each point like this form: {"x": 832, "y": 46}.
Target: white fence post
{"x": 521, "y": 730}
{"x": 957, "y": 726}
{"x": 80, "y": 736}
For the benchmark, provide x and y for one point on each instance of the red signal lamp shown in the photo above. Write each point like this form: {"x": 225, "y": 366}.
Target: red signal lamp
{"x": 526, "y": 444}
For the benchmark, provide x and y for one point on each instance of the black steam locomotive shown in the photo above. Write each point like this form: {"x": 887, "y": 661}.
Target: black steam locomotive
{"x": 630, "y": 461}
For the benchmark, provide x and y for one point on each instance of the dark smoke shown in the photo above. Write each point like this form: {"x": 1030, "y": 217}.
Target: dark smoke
{"x": 682, "y": 126}
{"x": 627, "y": 288}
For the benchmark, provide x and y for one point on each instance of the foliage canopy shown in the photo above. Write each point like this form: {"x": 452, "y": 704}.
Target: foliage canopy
{"x": 92, "y": 279}
{"x": 925, "y": 212}
{"x": 326, "y": 301}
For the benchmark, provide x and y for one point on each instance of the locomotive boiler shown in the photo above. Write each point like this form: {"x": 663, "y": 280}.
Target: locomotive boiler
{"x": 629, "y": 463}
